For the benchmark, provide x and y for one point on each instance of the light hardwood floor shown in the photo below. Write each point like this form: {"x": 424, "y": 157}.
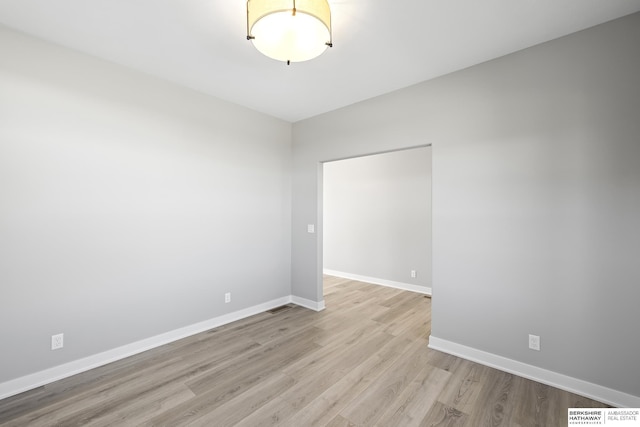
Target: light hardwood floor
{"x": 363, "y": 361}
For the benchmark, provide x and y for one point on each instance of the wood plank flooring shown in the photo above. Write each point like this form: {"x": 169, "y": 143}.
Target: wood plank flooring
{"x": 364, "y": 361}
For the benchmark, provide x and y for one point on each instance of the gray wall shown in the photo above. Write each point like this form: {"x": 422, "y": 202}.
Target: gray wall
{"x": 536, "y": 199}
{"x": 128, "y": 206}
{"x": 377, "y": 216}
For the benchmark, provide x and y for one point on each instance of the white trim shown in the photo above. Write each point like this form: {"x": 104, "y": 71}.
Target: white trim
{"x": 384, "y": 282}
{"x": 544, "y": 376}
{"x": 31, "y": 381}
{"x": 307, "y": 303}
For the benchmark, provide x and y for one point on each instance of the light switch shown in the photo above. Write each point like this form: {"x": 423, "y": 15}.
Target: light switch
{"x": 311, "y": 228}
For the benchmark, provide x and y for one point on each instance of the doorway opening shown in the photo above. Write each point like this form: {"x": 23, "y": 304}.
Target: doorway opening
{"x": 376, "y": 219}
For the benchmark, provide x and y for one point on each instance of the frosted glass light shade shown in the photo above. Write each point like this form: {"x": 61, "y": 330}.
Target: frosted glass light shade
{"x": 288, "y": 30}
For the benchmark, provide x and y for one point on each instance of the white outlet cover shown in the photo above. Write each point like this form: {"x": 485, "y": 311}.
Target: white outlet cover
{"x": 534, "y": 342}
{"x": 57, "y": 341}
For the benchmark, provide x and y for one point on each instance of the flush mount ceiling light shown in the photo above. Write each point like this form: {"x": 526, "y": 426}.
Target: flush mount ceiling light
{"x": 289, "y": 30}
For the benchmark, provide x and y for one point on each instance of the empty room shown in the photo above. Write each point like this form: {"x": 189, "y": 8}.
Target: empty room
{"x": 162, "y": 222}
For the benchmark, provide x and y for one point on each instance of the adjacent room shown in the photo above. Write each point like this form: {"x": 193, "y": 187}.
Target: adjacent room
{"x": 162, "y": 222}
{"x": 376, "y": 219}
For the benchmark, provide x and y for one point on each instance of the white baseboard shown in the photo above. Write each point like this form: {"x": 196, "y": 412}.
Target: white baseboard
{"x": 31, "y": 381}
{"x": 389, "y": 283}
{"x": 307, "y": 303}
{"x": 554, "y": 379}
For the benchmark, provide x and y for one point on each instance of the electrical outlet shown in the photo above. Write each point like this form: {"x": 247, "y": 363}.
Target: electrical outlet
{"x": 227, "y": 297}
{"x": 534, "y": 342}
{"x": 57, "y": 341}
{"x": 414, "y": 274}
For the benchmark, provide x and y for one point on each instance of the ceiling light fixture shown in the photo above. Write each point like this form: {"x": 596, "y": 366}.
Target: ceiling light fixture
{"x": 289, "y": 30}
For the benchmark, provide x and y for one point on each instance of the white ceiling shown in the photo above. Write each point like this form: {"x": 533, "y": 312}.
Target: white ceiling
{"x": 379, "y": 45}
